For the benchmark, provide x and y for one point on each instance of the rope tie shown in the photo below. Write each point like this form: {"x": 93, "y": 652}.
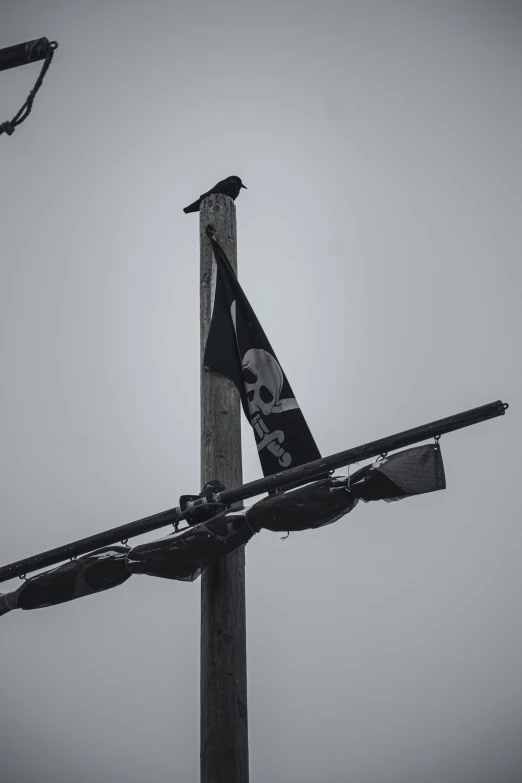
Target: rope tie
{"x": 9, "y": 126}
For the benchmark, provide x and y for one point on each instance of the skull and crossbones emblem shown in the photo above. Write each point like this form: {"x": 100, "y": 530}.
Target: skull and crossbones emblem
{"x": 263, "y": 379}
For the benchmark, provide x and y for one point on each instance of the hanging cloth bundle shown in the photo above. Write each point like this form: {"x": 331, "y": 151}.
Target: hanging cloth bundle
{"x": 21, "y": 54}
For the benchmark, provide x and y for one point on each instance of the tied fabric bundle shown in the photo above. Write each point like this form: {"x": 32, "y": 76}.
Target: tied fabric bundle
{"x": 186, "y": 554}
{"x": 89, "y": 574}
{"x": 410, "y": 472}
{"x": 305, "y": 508}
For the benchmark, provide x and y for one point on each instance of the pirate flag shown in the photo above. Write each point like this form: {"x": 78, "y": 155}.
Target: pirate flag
{"x": 238, "y": 348}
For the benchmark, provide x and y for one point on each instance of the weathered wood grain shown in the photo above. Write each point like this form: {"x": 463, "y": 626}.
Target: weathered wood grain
{"x": 224, "y": 723}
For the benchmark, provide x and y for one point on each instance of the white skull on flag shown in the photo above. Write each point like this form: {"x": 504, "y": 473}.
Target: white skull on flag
{"x": 263, "y": 379}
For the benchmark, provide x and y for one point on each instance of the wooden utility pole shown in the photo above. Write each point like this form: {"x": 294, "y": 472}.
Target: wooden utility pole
{"x": 224, "y": 720}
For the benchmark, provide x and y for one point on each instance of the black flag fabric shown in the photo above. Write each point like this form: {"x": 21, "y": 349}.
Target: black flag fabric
{"x": 238, "y": 348}
{"x": 89, "y": 574}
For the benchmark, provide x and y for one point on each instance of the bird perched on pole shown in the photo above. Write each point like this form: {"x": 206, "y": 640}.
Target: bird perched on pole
{"x": 228, "y": 187}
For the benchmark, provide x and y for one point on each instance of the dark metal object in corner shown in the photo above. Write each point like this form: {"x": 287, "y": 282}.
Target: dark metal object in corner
{"x": 24, "y": 53}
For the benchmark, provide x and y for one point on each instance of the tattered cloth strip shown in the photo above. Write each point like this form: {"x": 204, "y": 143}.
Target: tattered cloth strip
{"x": 184, "y": 555}
{"x": 311, "y": 506}
{"x": 410, "y": 472}
{"x": 89, "y": 574}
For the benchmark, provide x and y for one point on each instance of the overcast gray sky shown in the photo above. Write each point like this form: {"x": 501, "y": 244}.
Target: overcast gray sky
{"x": 379, "y": 243}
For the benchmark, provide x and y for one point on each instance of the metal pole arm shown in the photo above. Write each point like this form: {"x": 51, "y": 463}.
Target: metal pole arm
{"x": 89, "y": 544}
{"x": 24, "y": 53}
{"x": 311, "y": 470}
{"x": 293, "y": 476}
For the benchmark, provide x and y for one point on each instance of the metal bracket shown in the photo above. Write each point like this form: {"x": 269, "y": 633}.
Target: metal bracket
{"x": 200, "y": 508}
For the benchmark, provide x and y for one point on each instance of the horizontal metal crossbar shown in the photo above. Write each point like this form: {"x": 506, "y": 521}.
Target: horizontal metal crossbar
{"x": 291, "y": 477}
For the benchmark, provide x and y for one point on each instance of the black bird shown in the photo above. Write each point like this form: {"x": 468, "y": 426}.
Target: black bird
{"x": 228, "y": 187}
